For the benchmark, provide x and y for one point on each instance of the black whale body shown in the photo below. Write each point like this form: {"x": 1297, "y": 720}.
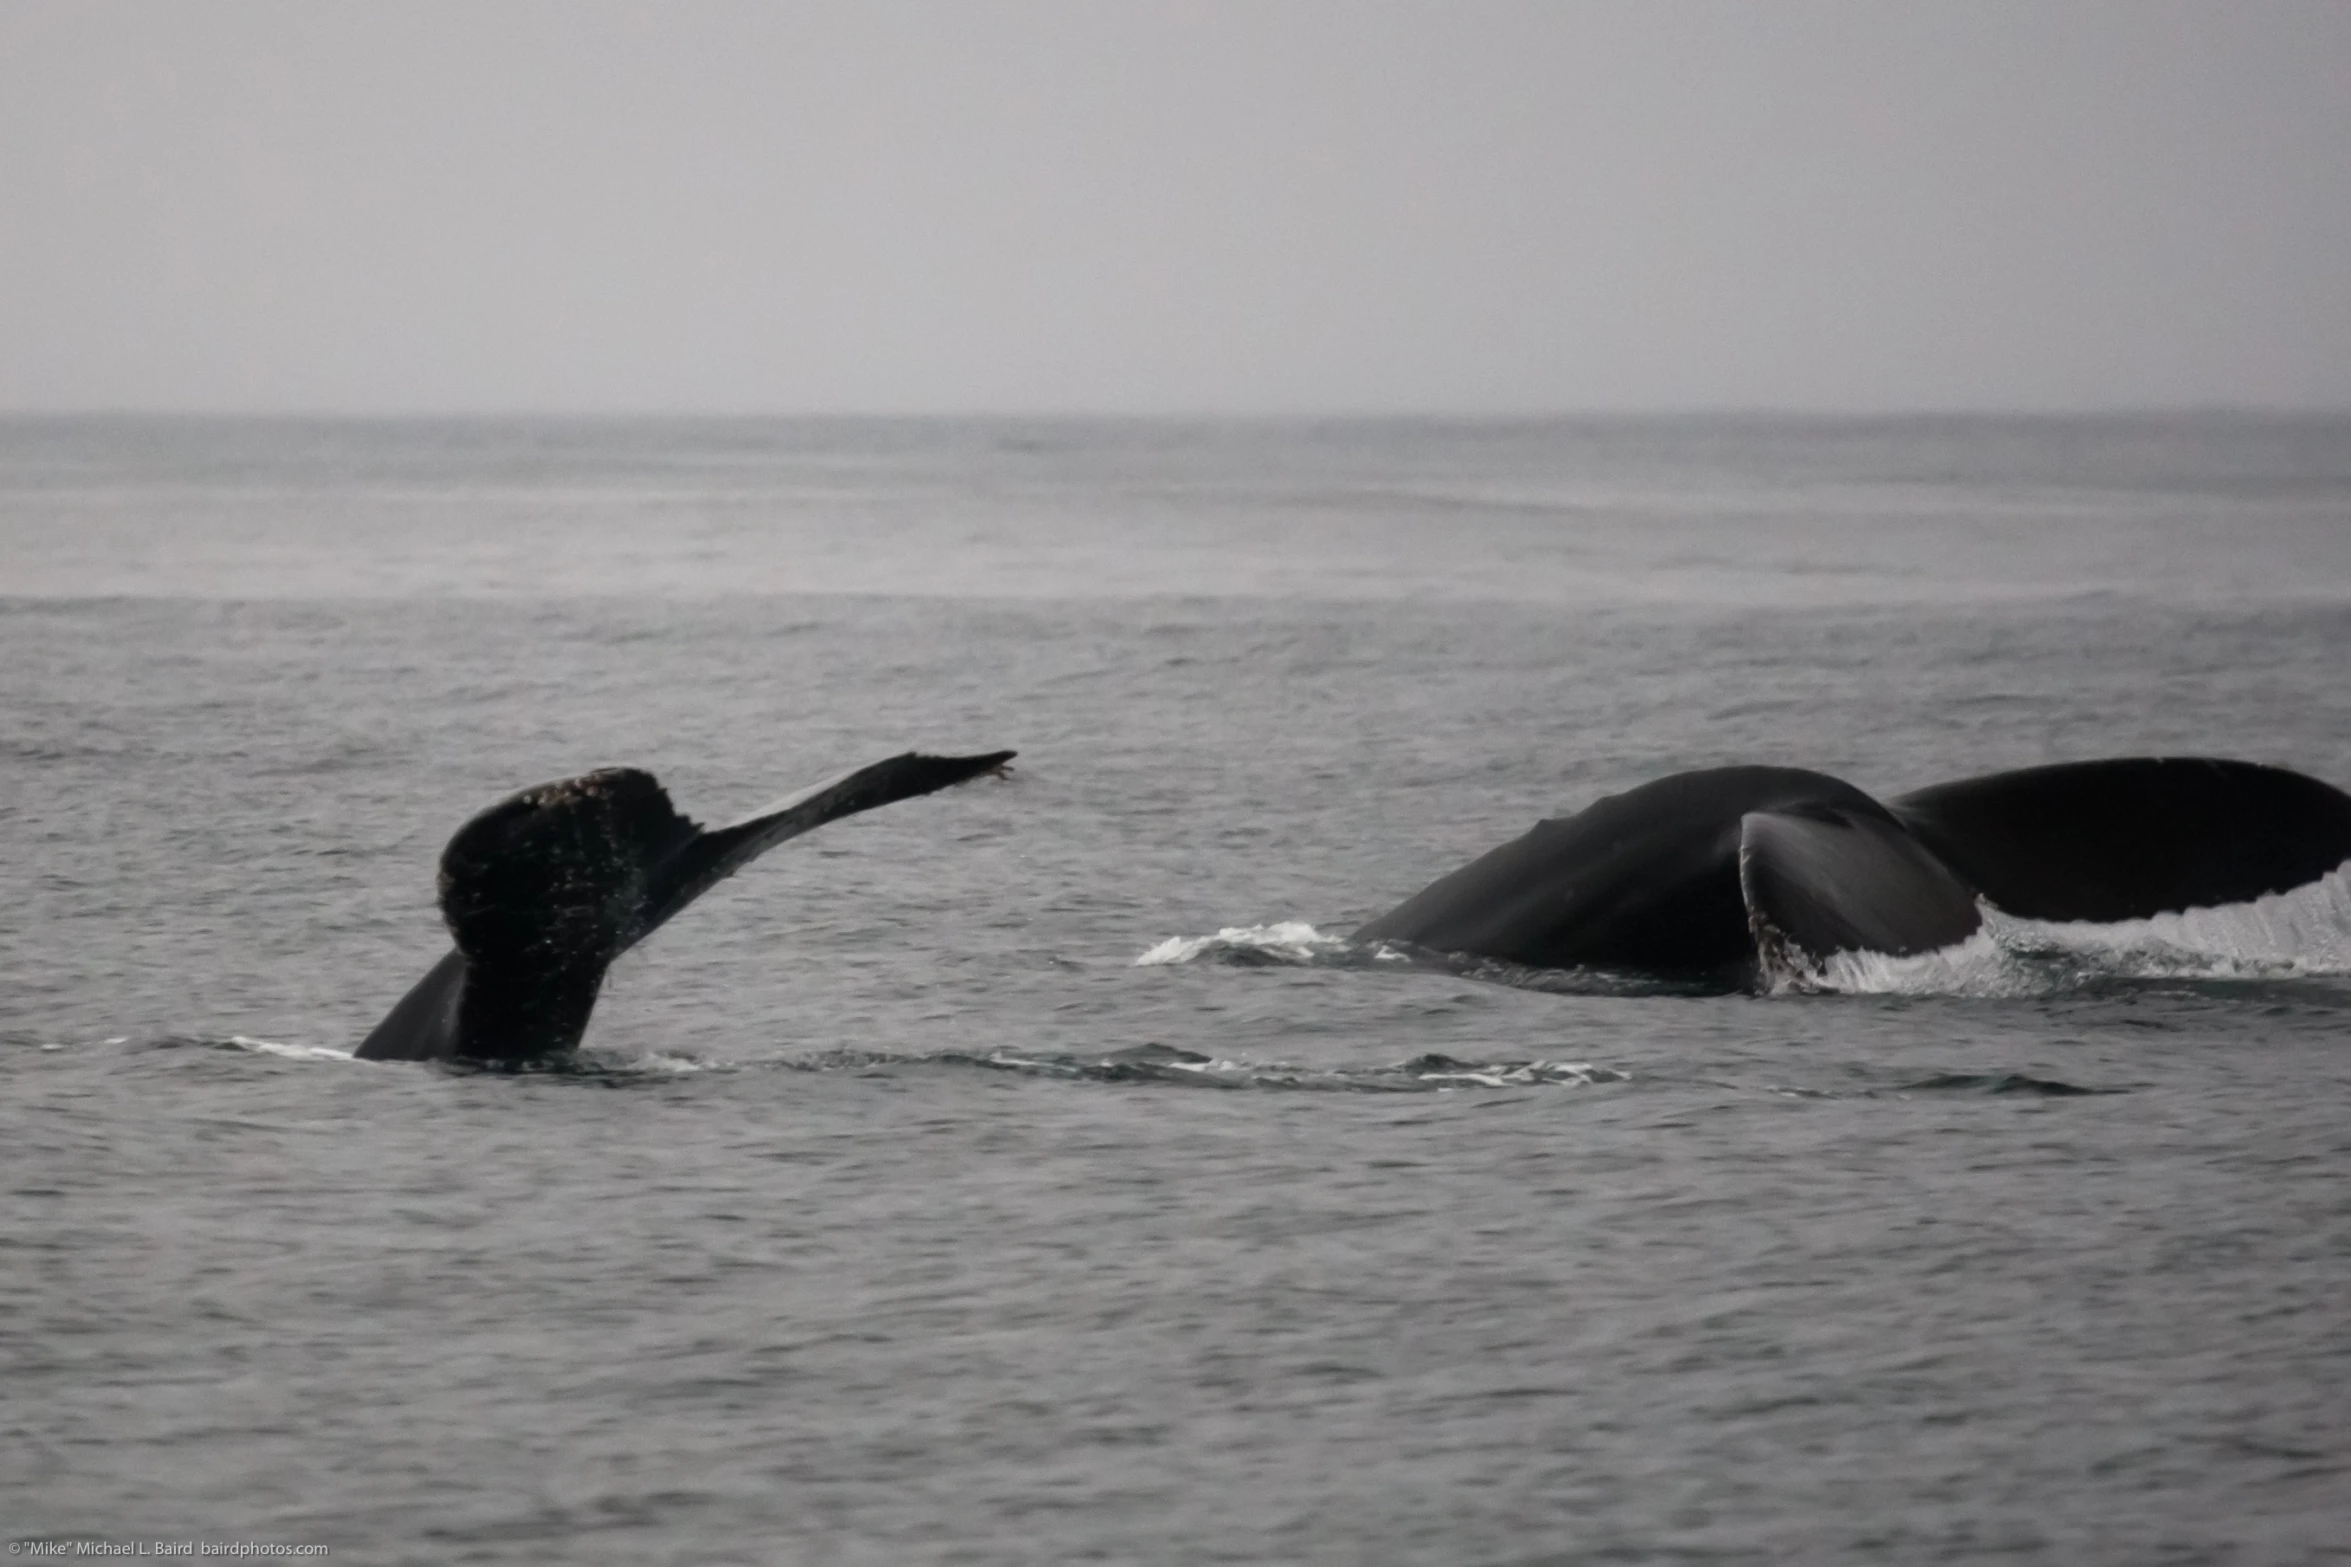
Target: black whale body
{"x": 1715, "y": 874}
{"x": 544, "y": 889}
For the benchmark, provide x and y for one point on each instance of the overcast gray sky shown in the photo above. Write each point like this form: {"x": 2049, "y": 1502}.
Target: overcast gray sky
{"x": 1213, "y": 205}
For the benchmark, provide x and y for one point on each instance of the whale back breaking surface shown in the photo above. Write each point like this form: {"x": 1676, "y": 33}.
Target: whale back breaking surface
{"x": 2133, "y": 837}
{"x": 544, "y": 889}
{"x": 1730, "y": 872}
{"x": 1646, "y": 880}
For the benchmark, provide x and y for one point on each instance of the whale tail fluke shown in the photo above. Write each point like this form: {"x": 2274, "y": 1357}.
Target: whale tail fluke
{"x": 544, "y": 889}
{"x": 2134, "y": 837}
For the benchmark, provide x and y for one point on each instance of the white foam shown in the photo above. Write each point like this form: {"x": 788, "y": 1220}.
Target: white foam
{"x": 272, "y": 1047}
{"x": 1522, "y": 1073}
{"x": 2305, "y": 932}
{"x": 651, "y": 1063}
{"x": 1286, "y": 941}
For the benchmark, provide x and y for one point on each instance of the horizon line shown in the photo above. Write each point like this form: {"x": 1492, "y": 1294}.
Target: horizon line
{"x": 1807, "y": 413}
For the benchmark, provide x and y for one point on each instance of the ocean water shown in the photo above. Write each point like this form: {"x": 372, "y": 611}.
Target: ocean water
{"x": 1032, "y": 1173}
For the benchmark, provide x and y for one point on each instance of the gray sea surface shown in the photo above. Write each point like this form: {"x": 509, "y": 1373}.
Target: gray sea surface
{"x": 1033, "y": 1173}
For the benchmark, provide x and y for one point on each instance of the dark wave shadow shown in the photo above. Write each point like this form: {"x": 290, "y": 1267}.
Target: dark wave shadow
{"x": 1999, "y": 1083}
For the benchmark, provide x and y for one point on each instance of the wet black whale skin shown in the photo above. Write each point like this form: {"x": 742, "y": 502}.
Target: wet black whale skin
{"x": 544, "y": 889}
{"x": 1680, "y": 876}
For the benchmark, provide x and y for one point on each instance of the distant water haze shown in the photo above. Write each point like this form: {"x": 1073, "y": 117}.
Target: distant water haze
{"x": 1049, "y": 205}
{"x": 1763, "y": 511}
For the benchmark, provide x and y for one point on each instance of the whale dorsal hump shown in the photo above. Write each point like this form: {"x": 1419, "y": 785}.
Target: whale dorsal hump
{"x": 1646, "y": 880}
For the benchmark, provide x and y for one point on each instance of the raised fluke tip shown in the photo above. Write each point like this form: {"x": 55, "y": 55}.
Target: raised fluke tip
{"x": 950, "y": 770}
